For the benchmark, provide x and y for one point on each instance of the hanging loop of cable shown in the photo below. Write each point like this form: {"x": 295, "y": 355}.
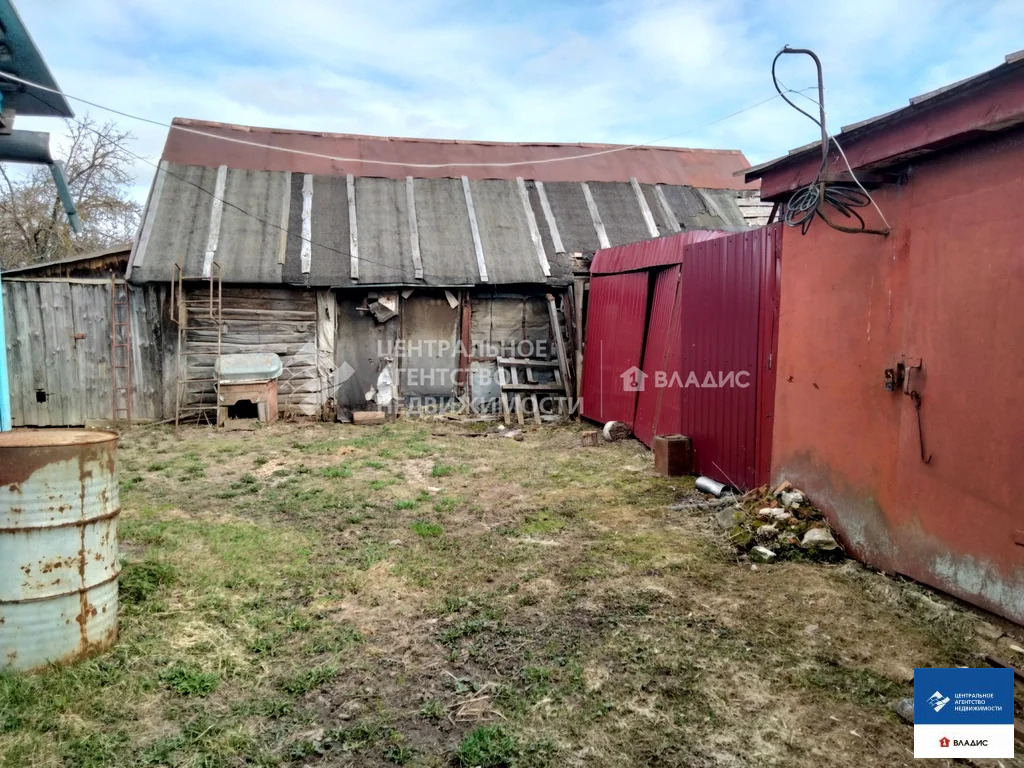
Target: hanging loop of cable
{"x": 822, "y": 197}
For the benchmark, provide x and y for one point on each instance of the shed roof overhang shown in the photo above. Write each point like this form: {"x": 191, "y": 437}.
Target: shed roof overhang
{"x": 21, "y": 57}
{"x": 958, "y": 113}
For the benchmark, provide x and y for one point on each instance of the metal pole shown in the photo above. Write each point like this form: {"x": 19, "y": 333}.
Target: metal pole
{"x": 5, "y": 384}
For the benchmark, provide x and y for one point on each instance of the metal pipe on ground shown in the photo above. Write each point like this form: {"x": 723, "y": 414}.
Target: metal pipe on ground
{"x": 715, "y": 488}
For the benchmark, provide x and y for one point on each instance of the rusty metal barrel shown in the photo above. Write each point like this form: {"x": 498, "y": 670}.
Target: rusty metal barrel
{"x": 58, "y": 546}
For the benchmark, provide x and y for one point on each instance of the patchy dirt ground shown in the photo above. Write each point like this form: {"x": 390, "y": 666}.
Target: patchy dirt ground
{"x": 409, "y": 594}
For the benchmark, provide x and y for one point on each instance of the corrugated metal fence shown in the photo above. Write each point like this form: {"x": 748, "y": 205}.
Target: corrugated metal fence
{"x": 704, "y": 343}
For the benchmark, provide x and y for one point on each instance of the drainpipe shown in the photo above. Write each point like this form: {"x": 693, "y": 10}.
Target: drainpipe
{"x": 5, "y": 383}
{"x": 28, "y": 147}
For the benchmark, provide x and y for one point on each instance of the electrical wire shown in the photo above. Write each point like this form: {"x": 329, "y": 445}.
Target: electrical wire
{"x": 285, "y": 230}
{"x": 335, "y": 158}
{"x": 441, "y": 277}
{"x": 850, "y": 169}
{"x": 821, "y": 196}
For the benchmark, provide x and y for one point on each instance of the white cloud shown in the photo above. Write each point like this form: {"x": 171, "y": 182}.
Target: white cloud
{"x": 620, "y": 71}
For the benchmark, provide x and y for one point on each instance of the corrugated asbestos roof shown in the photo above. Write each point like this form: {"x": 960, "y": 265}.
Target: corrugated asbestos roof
{"x": 343, "y": 229}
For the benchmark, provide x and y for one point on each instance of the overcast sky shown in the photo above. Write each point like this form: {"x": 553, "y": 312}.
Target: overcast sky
{"x": 624, "y": 72}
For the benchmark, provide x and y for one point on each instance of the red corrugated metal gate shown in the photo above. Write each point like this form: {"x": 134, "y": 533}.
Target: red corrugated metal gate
{"x": 615, "y": 339}
{"x": 705, "y": 342}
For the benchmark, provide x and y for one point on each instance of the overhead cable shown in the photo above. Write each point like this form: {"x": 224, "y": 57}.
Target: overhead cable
{"x": 335, "y": 158}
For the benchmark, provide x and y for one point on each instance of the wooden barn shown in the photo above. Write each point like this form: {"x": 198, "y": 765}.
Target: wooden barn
{"x": 380, "y": 271}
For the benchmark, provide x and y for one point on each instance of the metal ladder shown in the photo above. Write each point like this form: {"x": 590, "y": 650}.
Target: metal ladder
{"x": 120, "y": 351}
{"x": 196, "y": 371}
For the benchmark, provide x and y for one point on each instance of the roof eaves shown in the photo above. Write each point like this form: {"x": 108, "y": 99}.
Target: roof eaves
{"x": 928, "y": 100}
{"x": 77, "y": 259}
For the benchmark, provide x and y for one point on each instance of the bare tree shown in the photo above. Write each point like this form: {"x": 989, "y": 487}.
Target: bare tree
{"x": 33, "y": 225}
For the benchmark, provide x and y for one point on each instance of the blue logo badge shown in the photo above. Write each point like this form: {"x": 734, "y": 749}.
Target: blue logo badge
{"x": 963, "y": 696}
{"x": 963, "y": 713}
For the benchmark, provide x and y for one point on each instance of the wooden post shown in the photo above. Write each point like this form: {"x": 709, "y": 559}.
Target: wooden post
{"x": 563, "y": 363}
{"x": 569, "y": 315}
{"x": 466, "y": 341}
{"x": 579, "y": 285}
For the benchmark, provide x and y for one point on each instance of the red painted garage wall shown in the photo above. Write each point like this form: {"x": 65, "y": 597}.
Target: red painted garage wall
{"x": 947, "y": 286}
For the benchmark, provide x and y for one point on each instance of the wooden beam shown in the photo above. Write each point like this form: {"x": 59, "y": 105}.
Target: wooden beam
{"x": 526, "y": 362}
{"x": 517, "y": 393}
{"x": 595, "y": 216}
{"x": 69, "y": 280}
{"x": 645, "y": 209}
{"x": 506, "y": 410}
{"x": 569, "y": 316}
{"x": 216, "y": 211}
{"x": 369, "y": 417}
{"x": 353, "y": 229}
{"x": 466, "y": 337}
{"x": 579, "y": 286}
{"x": 531, "y": 222}
{"x": 549, "y": 217}
{"x": 306, "y": 248}
{"x": 414, "y": 227}
{"x": 555, "y": 386}
{"x": 563, "y": 361}
{"x": 673, "y": 220}
{"x": 477, "y": 245}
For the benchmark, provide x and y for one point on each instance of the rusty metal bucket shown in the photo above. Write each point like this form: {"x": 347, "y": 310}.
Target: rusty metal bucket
{"x": 58, "y": 546}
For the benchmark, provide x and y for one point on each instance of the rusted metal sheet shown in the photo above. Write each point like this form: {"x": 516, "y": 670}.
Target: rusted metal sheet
{"x": 956, "y": 114}
{"x": 942, "y": 288}
{"x": 58, "y": 546}
{"x": 708, "y": 168}
{"x": 615, "y": 337}
{"x": 649, "y": 253}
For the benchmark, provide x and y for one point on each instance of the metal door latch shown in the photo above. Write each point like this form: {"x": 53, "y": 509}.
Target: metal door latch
{"x": 899, "y": 377}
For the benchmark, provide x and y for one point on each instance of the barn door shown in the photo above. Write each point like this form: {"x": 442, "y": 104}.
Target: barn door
{"x": 430, "y": 350}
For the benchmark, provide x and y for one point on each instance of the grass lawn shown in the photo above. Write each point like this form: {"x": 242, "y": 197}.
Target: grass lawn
{"x": 409, "y": 595}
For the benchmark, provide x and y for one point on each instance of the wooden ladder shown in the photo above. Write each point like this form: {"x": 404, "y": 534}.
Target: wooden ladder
{"x": 524, "y": 389}
{"x": 193, "y": 383}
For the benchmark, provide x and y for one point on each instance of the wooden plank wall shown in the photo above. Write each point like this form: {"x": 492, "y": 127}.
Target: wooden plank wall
{"x": 278, "y": 320}
{"x": 72, "y": 376}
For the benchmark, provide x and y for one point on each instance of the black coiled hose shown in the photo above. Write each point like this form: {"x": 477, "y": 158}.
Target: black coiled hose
{"x": 821, "y": 196}
{"x": 812, "y": 199}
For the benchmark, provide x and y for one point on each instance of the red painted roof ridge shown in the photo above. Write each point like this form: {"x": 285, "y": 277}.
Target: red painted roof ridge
{"x": 397, "y": 158}
{"x": 198, "y": 123}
